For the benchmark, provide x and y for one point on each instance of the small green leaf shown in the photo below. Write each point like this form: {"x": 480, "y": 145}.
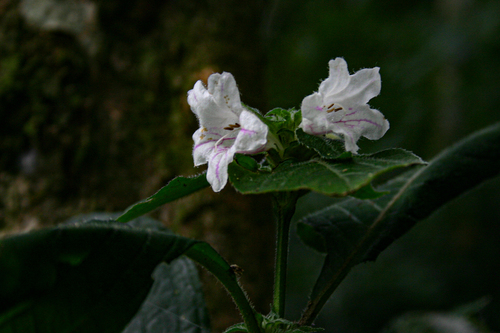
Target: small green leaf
{"x": 339, "y": 178}
{"x": 288, "y": 119}
{"x": 238, "y": 328}
{"x": 175, "y": 189}
{"x": 246, "y": 162}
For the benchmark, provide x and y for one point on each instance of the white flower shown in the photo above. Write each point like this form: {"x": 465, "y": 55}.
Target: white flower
{"x": 340, "y": 106}
{"x": 226, "y": 127}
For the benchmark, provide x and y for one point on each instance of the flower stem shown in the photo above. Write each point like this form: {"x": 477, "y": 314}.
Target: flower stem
{"x": 283, "y": 209}
{"x": 206, "y": 256}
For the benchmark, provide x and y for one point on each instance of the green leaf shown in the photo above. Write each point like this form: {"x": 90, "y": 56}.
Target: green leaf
{"x": 177, "y": 188}
{"x": 311, "y": 237}
{"x": 332, "y": 177}
{"x": 175, "y": 301}
{"x": 84, "y": 277}
{"x": 176, "y": 297}
{"x": 356, "y": 230}
{"x": 368, "y": 192}
{"x": 326, "y": 148}
{"x": 93, "y": 276}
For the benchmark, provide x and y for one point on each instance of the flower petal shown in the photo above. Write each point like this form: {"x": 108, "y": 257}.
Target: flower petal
{"x": 217, "y": 167}
{"x": 211, "y": 112}
{"x": 252, "y": 137}
{"x": 363, "y": 86}
{"x": 369, "y": 123}
{"x": 225, "y": 92}
{"x": 361, "y": 121}
{"x": 338, "y": 78}
{"x": 312, "y": 106}
{"x": 206, "y": 141}
{"x": 203, "y": 146}
{"x": 197, "y": 96}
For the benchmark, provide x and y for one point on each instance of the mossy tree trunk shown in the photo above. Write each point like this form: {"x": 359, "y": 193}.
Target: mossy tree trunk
{"x": 94, "y": 117}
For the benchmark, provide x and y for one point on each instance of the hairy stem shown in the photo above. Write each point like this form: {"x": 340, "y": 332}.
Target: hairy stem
{"x": 228, "y": 279}
{"x": 283, "y": 209}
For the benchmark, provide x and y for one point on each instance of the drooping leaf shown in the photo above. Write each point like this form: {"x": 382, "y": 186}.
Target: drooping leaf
{"x": 177, "y": 188}
{"x": 88, "y": 277}
{"x": 355, "y": 230}
{"x": 175, "y": 299}
{"x": 334, "y": 177}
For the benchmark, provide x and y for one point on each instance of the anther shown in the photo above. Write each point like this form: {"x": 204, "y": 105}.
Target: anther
{"x": 233, "y": 126}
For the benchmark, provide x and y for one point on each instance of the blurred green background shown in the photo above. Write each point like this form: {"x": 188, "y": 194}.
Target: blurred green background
{"x": 93, "y": 116}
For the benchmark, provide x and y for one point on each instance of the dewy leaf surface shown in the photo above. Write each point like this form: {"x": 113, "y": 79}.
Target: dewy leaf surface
{"x": 86, "y": 277}
{"x": 357, "y": 230}
{"x": 332, "y": 177}
{"x": 177, "y": 188}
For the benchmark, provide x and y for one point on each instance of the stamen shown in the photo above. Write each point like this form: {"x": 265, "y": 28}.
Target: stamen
{"x": 231, "y": 127}
{"x": 333, "y": 110}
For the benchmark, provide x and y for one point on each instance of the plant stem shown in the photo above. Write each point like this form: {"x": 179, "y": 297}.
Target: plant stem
{"x": 218, "y": 267}
{"x": 283, "y": 209}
